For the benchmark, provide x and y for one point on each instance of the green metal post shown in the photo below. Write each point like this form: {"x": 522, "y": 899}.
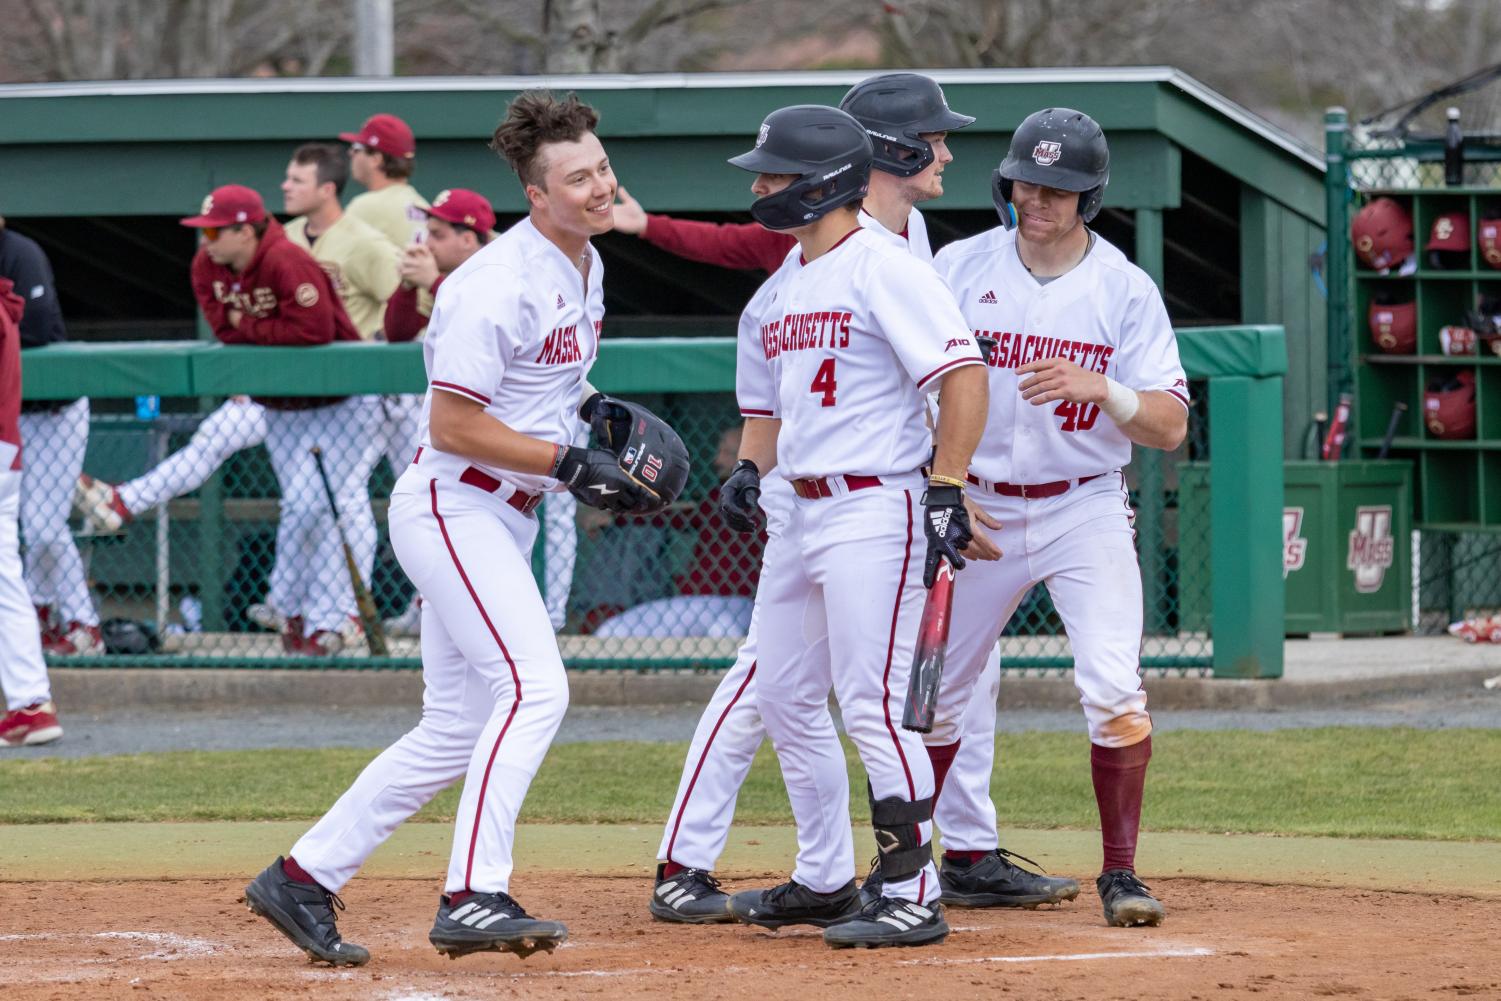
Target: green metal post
{"x": 1245, "y": 541}
{"x": 1337, "y": 250}
{"x": 1148, "y": 461}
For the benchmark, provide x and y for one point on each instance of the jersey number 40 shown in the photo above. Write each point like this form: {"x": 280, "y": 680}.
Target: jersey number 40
{"x": 1077, "y": 417}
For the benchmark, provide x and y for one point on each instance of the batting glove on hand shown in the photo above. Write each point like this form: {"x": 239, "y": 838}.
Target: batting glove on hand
{"x": 946, "y": 524}
{"x": 594, "y": 476}
{"x": 738, "y": 497}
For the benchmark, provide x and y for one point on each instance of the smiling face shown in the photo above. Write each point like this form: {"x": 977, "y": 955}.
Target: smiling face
{"x": 576, "y": 196}
{"x": 1044, "y": 215}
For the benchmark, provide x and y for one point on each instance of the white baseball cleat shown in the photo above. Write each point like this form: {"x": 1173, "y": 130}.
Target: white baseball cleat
{"x": 100, "y": 505}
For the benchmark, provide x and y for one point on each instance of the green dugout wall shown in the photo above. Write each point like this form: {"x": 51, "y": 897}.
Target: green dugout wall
{"x": 1220, "y": 207}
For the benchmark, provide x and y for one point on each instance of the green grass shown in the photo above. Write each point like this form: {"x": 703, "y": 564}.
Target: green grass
{"x": 1387, "y": 783}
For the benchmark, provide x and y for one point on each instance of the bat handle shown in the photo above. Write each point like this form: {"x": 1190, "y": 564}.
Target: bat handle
{"x": 328, "y": 491}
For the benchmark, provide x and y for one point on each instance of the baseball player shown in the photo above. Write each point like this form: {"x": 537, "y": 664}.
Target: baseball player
{"x": 359, "y": 259}
{"x": 513, "y": 334}
{"x": 58, "y": 430}
{"x": 833, "y": 391}
{"x": 1083, "y": 362}
{"x": 257, "y": 287}
{"x": 908, "y": 118}
{"x": 30, "y": 716}
{"x": 382, "y": 157}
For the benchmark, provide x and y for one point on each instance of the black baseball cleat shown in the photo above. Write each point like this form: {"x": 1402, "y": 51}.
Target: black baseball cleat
{"x": 492, "y": 922}
{"x": 996, "y": 881}
{"x": 875, "y": 882}
{"x": 889, "y": 921}
{"x": 1127, "y": 900}
{"x": 690, "y": 897}
{"x": 794, "y": 904}
{"x": 304, "y": 913}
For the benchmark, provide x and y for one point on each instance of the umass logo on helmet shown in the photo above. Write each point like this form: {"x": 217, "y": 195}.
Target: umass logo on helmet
{"x": 1047, "y": 153}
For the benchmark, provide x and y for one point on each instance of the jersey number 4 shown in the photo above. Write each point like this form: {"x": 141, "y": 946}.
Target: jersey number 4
{"x": 1077, "y": 417}
{"x": 824, "y": 382}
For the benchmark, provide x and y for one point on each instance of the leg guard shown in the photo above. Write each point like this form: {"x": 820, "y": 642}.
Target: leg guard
{"x": 899, "y": 839}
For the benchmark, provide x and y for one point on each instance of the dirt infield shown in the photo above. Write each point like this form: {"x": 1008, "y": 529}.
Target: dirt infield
{"x": 195, "y": 939}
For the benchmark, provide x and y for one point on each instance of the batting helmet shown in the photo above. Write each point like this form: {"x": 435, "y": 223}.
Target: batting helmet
{"x": 1382, "y": 234}
{"x": 1449, "y": 405}
{"x": 649, "y": 450}
{"x": 1055, "y": 148}
{"x": 828, "y": 151}
{"x": 896, "y": 109}
{"x": 1394, "y": 327}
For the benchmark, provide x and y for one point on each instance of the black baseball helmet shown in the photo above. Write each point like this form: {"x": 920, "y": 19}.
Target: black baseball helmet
{"x": 896, "y": 108}
{"x": 827, "y": 150}
{"x": 1055, "y": 148}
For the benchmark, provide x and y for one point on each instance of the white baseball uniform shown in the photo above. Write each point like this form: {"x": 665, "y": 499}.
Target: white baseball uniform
{"x": 860, "y": 335}
{"x": 730, "y": 731}
{"x": 514, "y": 329}
{"x": 235, "y": 425}
{"x": 23, "y": 674}
{"x": 54, "y": 569}
{"x": 1073, "y": 529}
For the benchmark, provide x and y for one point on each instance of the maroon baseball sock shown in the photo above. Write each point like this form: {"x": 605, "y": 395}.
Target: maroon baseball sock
{"x": 294, "y": 871}
{"x": 964, "y": 857}
{"x": 671, "y": 868}
{"x": 457, "y": 898}
{"x": 941, "y": 756}
{"x": 1119, "y": 774}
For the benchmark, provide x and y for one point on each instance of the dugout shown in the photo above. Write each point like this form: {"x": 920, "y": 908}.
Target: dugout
{"x": 1222, "y": 208}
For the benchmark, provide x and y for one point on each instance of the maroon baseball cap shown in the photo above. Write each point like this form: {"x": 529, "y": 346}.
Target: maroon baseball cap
{"x": 385, "y": 133}
{"x": 228, "y": 205}
{"x": 463, "y": 207}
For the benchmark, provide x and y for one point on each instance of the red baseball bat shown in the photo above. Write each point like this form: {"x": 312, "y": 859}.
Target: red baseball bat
{"x": 927, "y": 659}
{"x": 1334, "y": 444}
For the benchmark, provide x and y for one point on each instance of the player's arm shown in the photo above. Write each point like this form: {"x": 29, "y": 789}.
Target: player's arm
{"x": 304, "y": 308}
{"x": 1154, "y": 418}
{"x": 745, "y": 246}
{"x": 459, "y": 425}
{"x": 215, "y": 313}
{"x": 741, "y": 492}
{"x": 965, "y": 394}
{"x": 758, "y": 442}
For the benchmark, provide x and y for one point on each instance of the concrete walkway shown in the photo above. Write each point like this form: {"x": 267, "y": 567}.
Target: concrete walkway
{"x": 1318, "y": 672}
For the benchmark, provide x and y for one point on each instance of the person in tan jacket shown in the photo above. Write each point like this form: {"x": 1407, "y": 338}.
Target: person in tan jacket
{"x": 382, "y": 157}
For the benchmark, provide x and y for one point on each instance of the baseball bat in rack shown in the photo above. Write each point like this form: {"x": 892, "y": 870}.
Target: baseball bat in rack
{"x": 1399, "y": 409}
{"x": 375, "y": 635}
{"x": 1334, "y": 444}
{"x": 927, "y": 658}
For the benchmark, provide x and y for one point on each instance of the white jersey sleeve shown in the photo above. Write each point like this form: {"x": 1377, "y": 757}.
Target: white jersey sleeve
{"x": 1148, "y": 357}
{"x": 755, "y": 383}
{"x": 914, "y": 308}
{"x": 474, "y": 332}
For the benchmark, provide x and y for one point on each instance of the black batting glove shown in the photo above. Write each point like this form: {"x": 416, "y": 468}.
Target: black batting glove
{"x": 946, "y": 524}
{"x": 738, "y": 497}
{"x": 594, "y": 476}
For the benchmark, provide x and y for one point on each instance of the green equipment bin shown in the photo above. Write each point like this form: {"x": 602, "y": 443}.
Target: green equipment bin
{"x": 1346, "y": 547}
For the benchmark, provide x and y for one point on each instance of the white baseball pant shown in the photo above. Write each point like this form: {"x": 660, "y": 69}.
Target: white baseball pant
{"x": 238, "y": 423}
{"x": 23, "y": 673}
{"x": 55, "y": 444}
{"x": 312, "y": 580}
{"x": 494, "y": 697}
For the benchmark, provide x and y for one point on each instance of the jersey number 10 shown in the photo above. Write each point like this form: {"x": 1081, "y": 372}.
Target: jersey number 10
{"x": 823, "y": 382}
{"x": 1077, "y": 417}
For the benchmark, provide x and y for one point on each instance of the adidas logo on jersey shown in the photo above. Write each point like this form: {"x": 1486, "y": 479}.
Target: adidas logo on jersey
{"x": 988, "y": 299}
{"x": 561, "y": 304}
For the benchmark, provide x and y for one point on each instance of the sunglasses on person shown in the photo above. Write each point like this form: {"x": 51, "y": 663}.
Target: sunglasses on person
{"x": 211, "y": 233}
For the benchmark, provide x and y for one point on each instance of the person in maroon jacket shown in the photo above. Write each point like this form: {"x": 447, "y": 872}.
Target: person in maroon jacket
{"x": 459, "y": 222}
{"x": 30, "y": 717}
{"x": 257, "y": 287}
{"x": 746, "y": 246}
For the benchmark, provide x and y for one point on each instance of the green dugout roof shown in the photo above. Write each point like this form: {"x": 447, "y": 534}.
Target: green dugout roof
{"x": 135, "y": 133}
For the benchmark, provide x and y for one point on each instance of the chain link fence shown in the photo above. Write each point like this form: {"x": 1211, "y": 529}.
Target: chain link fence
{"x": 203, "y": 537}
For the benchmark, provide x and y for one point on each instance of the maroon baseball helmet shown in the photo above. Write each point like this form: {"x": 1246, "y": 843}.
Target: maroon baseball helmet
{"x": 1488, "y": 239}
{"x": 1382, "y": 234}
{"x": 1449, "y": 406}
{"x": 1394, "y": 327}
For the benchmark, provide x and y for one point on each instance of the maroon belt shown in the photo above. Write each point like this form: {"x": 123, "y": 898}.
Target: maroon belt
{"x": 814, "y": 487}
{"x": 476, "y": 477}
{"x": 1032, "y": 491}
